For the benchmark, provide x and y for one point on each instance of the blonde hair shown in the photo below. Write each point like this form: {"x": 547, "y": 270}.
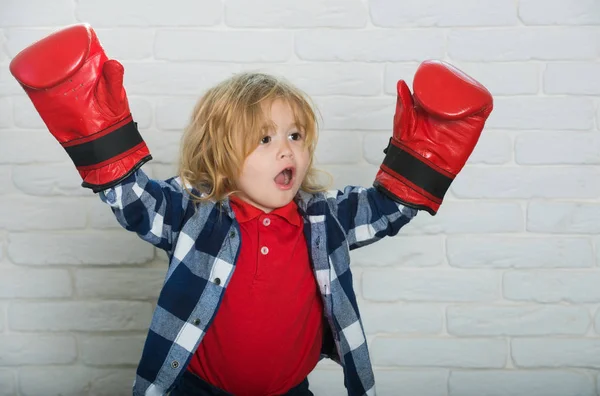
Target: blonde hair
{"x": 227, "y": 124}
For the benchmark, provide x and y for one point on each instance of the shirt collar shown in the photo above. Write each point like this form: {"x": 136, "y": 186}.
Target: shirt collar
{"x": 245, "y": 211}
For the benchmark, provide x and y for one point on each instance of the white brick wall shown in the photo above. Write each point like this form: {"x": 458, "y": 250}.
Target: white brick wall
{"x": 499, "y": 294}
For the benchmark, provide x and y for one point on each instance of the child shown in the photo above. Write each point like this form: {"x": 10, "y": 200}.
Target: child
{"x": 259, "y": 287}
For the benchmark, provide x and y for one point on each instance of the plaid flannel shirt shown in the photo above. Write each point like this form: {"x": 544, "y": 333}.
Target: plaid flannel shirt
{"x": 202, "y": 242}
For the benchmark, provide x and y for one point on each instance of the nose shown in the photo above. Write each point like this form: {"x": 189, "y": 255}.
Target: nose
{"x": 285, "y": 150}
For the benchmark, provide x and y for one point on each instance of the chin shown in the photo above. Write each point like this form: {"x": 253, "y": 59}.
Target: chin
{"x": 281, "y": 200}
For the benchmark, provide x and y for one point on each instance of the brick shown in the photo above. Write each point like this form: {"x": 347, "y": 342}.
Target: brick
{"x": 19, "y": 38}
{"x": 439, "y": 352}
{"x": 492, "y": 149}
{"x": 456, "y": 217}
{"x": 345, "y": 175}
{"x": 19, "y": 349}
{"x": 5, "y": 180}
{"x": 75, "y": 381}
{"x": 142, "y": 112}
{"x": 49, "y": 180}
{"x": 403, "y": 13}
{"x": 505, "y": 78}
{"x": 552, "y": 286}
{"x": 563, "y": 217}
{"x": 25, "y": 115}
{"x": 572, "y": 78}
{"x": 428, "y": 285}
{"x": 375, "y": 143}
{"x": 369, "y": 45}
{"x": 21, "y": 213}
{"x": 6, "y": 112}
{"x": 337, "y": 147}
{"x": 318, "y": 78}
{"x": 163, "y": 171}
{"x": 596, "y": 240}
{"x": 100, "y": 216}
{"x": 357, "y": 113}
{"x": 402, "y": 251}
{"x": 8, "y": 84}
{"x": 520, "y": 383}
{"x": 174, "y": 113}
{"x": 394, "y": 72}
{"x": 3, "y": 55}
{"x": 7, "y": 379}
{"x": 138, "y": 13}
{"x": 523, "y": 44}
{"x": 153, "y": 78}
{"x": 545, "y": 113}
{"x": 83, "y": 248}
{"x": 22, "y": 147}
{"x": 305, "y": 14}
{"x": 18, "y": 283}
{"x": 557, "y": 12}
{"x": 401, "y": 318}
{"x": 223, "y": 46}
{"x": 527, "y": 183}
{"x": 111, "y": 350}
{"x": 517, "y": 321}
{"x": 2, "y": 317}
{"x": 195, "y": 79}
{"x": 111, "y": 382}
{"x": 138, "y": 283}
{"x": 557, "y": 352}
{"x": 578, "y": 148}
{"x": 411, "y": 382}
{"x": 79, "y": 316}
{"x": 519, "y": 252}
{"x": 327, "y": 382}
{"x": 597, "y": 321}
{"x": 138, "y": 45}
{"x": 36, "y": 13}
{"x": 164, "y": 146}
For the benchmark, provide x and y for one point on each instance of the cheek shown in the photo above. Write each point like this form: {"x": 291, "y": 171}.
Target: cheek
{"x": 252, "y": 168}
{"x": 303, "y": 157}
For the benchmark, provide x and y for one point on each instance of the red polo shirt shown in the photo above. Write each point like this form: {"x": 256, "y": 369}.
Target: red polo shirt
{"x": 266, "y": 336}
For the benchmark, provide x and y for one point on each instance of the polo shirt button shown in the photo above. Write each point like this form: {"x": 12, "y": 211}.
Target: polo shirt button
{"x": 232, "y": 234}
{"x": 196, "y": 322}
{"x": 217, "y": 281}
{"x": 264, "y": 250}
{"x": 266, "y": 222}
{"x": 175, "y": 364}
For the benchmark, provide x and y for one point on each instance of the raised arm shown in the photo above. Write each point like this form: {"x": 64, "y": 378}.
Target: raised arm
{"x": 79, "y": 94}
{"x": 434, "y": 133}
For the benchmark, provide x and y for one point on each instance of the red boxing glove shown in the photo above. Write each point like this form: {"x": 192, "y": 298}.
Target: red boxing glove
{"x": 435, "y": 132}
{"x": 79, "y": 94}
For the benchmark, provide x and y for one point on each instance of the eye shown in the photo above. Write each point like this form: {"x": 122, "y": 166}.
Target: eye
{"x": 265, "y": 139}
{"x": 296, "y": 136}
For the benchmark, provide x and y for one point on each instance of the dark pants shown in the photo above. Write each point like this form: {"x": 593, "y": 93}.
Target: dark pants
{"x": 192, "y": 385}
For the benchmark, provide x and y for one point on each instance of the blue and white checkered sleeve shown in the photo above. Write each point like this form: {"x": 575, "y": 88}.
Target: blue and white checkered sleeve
{"x": 153, "y": 209}
{"x": 368, "y": 215}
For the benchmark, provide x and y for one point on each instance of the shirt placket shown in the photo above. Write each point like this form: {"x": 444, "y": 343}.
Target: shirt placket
{"x": 264, "y": 244}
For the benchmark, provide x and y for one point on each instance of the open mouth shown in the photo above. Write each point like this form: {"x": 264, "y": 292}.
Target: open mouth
{"x": 285, "y": 177}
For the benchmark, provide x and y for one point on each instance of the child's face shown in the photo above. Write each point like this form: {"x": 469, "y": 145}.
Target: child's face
{"x": 273, "y": 173}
